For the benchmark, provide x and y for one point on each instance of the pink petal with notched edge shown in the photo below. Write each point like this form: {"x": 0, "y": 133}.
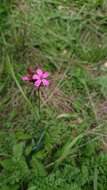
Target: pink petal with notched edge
{"x": 37, "y": 83}
{"x": 36, "y": 77}
{"x": 39, "y": 72}
{"x": 45, "y": 82}
{"x": 45, "y": 74}
{"x": 25, "y": 78}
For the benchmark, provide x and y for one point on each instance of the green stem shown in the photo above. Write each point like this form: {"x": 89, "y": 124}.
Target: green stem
{"x": 39, "y": 103}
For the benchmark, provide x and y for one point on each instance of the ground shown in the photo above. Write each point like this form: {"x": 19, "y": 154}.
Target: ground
{"x": 64, "y": 146}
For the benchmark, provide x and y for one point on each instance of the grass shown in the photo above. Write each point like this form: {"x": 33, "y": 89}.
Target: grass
{"x": 68, "y": 147}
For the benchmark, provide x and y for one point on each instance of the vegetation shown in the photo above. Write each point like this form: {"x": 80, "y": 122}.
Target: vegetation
{"x": 66, "y": 146}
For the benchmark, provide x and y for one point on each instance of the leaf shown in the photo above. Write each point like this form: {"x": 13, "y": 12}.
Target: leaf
{"x": 64, "y": 115}
{"x": 10, "y": 187}
{"x": 95, "y": 178}
{"x": 102, "y": 81}
{"x": 7, "y": 164}
{"x": 20, "y": 135}
{"x": 18, "y": 150}
{"x": 38, "y": 167}
{"x": 32, "y": 188}
{"x": 28, "y": 149}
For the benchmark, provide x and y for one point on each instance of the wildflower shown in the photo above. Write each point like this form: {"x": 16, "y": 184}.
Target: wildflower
{"x": 37, "y": 77}
{"x": 41, "y": 78}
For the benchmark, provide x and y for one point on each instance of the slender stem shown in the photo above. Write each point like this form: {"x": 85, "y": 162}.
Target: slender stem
{"x": 39, "y": 103}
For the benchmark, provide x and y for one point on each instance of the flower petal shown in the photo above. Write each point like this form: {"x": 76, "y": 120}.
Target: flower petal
{"x": 25, "y": 78}
{"x": 45, "y": 74}
{"x": 35, "y": 77}
{"x": 45, "y": 82}
{"x": 37, "y": 83}
{"x": 40, "y": 72}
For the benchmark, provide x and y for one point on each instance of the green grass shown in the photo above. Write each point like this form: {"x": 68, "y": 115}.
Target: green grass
{"x": 69, "y": 39}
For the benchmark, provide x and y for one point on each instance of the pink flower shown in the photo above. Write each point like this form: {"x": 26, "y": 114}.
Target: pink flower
{"x": 41, "y": 78}
{"x": 37, "y": 77}
{"x": 29, "y": 76}
{"x": 25, "y": 78}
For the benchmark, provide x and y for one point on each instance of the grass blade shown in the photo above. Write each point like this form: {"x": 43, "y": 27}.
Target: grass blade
{"x": 67, "y": 148}
{"x": 33, "y": 110}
